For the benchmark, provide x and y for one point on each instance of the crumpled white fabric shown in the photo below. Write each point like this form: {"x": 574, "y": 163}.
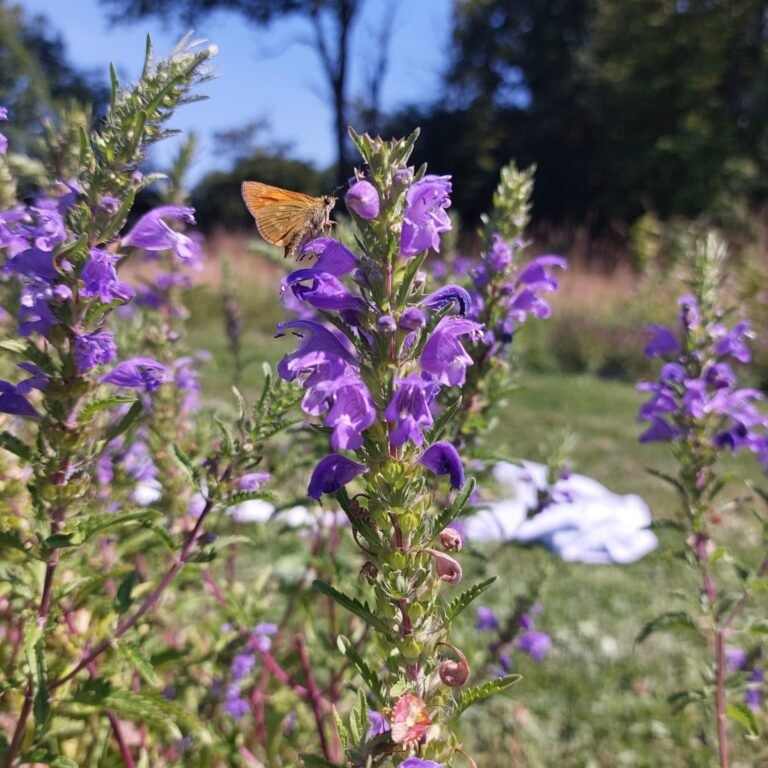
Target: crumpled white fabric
{"x": 591, "y": 525}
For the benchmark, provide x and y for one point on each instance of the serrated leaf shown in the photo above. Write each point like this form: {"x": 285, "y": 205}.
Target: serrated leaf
{"x": 744, "y": 716}
{"x": 185, "y": 462}
{"x": 135, "y": 656}
{"x": 449, "y": 514}
{"x": 477, "y": 693}
{"x": 123, "y": 597}
{"x": 150, "y": 708}
{"x": 90, "y": 526}
{"x": 341, "y": 730}
{"x": 103, "y": 404}
{"x": 455, "y": 607}
{"x": 126, "y": 422}
{"x": 344, "y": 645}
{"x": 352, "y": 605}
{"x": 673, "y": 620}
{"x": 13, "y": 445}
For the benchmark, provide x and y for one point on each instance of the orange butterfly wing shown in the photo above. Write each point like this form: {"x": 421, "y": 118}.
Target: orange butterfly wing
{"x": 281, "y": 215}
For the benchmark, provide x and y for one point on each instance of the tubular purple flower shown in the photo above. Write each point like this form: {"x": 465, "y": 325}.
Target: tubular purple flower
{"x": 92, "y": 349}
{"x": 100, "y": 278}
{"x": 535, "y": 644}
{"x": 352, "y": 412}
{"x": 659, "y": 432}
{"x": 425, "y": 216}
{"x": 662, "y": 341}
{"x": 137, "y": 373}
{"x": 386, "y": 324}
{"x": 410, "y": 409}
{"x": 325, "y": 291}
{"x": 331, "y": 473}
{"x": 151, "y": 233}
{"x": 536, "y": 275}
{"x": 14, "y": 403}
{"x": 499, "y": 256}
{"x": 333, "y": 257}
{"x": 420, "y": 762}
{"x": 363, "y": 200}
{"x": 485, "y": 619}
{"x": 442, "y": 458}
{"x": 733, "y": 343}
{"x": 36, "y": 380}
{"x": 447, "y": 295}
{"x": 412, "y": 319}
{"x": 253, "y": 481}
{"x": 33, "y": 263}
{"x": 443, "y": 355}
{"x": 377, "y": 724}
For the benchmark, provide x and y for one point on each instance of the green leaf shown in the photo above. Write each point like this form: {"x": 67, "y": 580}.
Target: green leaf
{"x": 126, "y": 422}
{"x": 186, "y": 462}
{"x": 13, "y": 345}
{"x": 456, "y": 606}
{"x": 451, "y": 513}
{"x": 60, "y": 541}
{"x": 123, "y": 597}
{"x": 371, "y": 679}
{"x": 90, "y": 526}
{"x": 673, "y": 620}
{"x": 352, "y": 605}
{"x": 135, "y": 656}
{"x": 152, "y": 709}
{"x": 103, "y": 404}
{"x": 12, "y": 444}
{"x": 744, "y": 716}
{"x": 359, "y": 722}
{"x": 340, "y": 730}
{"x": 41, "y": 707}
{"x": 477, "y": 693}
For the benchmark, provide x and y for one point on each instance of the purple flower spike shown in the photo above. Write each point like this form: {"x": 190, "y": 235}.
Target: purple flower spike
{"x": 443, "y": 459}
{"x": 662, "y": 341}
{"x": 535, "y": 644}
{"x": 446, "y": 295}
{"x": 485, "y": 620}
{"x": 137, "y": 373}
{"x": 100, "y": 278}
{"x": 410, "y": 409}
{"x": 333, "y": 257}
{"x": 151, "y": 233}
{"x": 363, "y": 200}
{"x": 92, "y": 349}
{"x": 425, "y": 216}
{"x": 331, "y": 473}
{"x": 420, "y": 762}
{"x": 443, "y": 355}
{"x": 14, "y": 403}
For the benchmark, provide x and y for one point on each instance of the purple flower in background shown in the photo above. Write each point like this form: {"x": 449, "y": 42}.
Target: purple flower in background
{"x": 735, "y": 659}
{"x": 333, "y": 257}
{"x": 378, "y": 724}
{"x": 151, "y": 233}
{"x": 252, "y": 481}
{"x": 100, "y": 278}
{"x": 443, "y": 355}
{"x": 261, "y": 637}
{"x": 443, "y": 459}
{"x": 137, "y": 373}
{"x": 659, "y": 432}
{"x": 447, "y": 295}
{"x": 363, "y": 200}
{"x": 499, "y": 256}
{"x": 754, "y": 695}
{"x": 690, "y": 314}
{"x": 331, "y": 473}
{"x": 234, "y": 704}
{"x": 242, "y": 666}
{"x": 420, "y": 762}
{"x": 535, "y": 644}
{"x": 410, "y": 409}
{"x": 352, "y": 412}
{"x": 3, "y": 139}
{"x": 485, "y": 619}
{"x": 92, "y": 349}
{"x": 14, "y": 403}
{"x": 425, "y": 215}
{"x": 662, "y": 341}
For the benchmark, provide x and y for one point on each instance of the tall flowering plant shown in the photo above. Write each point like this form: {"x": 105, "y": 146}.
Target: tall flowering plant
{"x": 372, "y": 364}
{"x": 698, "y": 408}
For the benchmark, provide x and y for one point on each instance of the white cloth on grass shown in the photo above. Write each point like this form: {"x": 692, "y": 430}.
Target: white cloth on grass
{"x": 586, "y": 523}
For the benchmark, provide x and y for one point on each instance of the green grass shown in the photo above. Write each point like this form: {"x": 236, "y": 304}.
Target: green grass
{"x": 599, "y": 699}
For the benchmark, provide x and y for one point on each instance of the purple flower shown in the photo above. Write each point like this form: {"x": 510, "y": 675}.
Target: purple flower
{"x": 137, "y": 373}
{"x": 92, "y": 349}
{"x": 412, "y": 319}
{"x": 325, "y": 291}
{"x": 242, "y": 666}
{"x": 690, "y": 314}
{"x": 535, "y": 644}
{"x": 36, "y": 380}
{"x": 420, "y": 762}
{"x": 261, "y": 638}
{"x": 735, "y": 659}
{"x": 333, "y": 257}
{"x": 499, "y": 257}
{"x": 151, "y": 233}
{"x": 443, "y": 459}
{"x": 320, "y": 356}
{"x": 378, "y": 724}
{"x": 754, "y": 695}
{"x": 386, "y": 324}
{"x": 443, "y": 355}
{"x": 331, "y": 473}
{"x": 363, "y": 200}
{"x": 662, "y": 341}
{"x": 109, "y": 204}
{"x": 234, "y": 704}
{"x": 352, "y": 412}
{"x": 33, "y": 262}
{"x": 14, "y": 403}
{"x": 447, "y": 295}
{"x": 659, "y": 432}
{"x": 485, "y": 620}
{"x": 252, "y": 481}
{"x": 425, "y": 216}
{"x": 733, "y": 343}
{"x": 100, "y": 278}
{"x": 410, "y": 409}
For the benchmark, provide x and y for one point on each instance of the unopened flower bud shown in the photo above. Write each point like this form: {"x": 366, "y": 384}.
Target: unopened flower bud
{"x": 363, "y": 200}
{"x": 454, "y": 673}
{"x": 403, "y": 177}
{"x": 450, "y": 540}
{"x": 448, "y": 568}
{"x": 386, "y": 324}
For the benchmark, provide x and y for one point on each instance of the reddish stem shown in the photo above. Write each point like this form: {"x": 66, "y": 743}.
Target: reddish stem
{"x": 330, "y": 751}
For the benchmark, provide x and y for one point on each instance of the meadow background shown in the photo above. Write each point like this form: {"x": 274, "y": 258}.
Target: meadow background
{"x": 647, "y": 119}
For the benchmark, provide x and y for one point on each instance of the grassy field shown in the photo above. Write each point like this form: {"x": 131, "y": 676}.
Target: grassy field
{"x": 599, "y": 699}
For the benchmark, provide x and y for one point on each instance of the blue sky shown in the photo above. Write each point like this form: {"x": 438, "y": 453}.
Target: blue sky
{"x": 263, "y": 73}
